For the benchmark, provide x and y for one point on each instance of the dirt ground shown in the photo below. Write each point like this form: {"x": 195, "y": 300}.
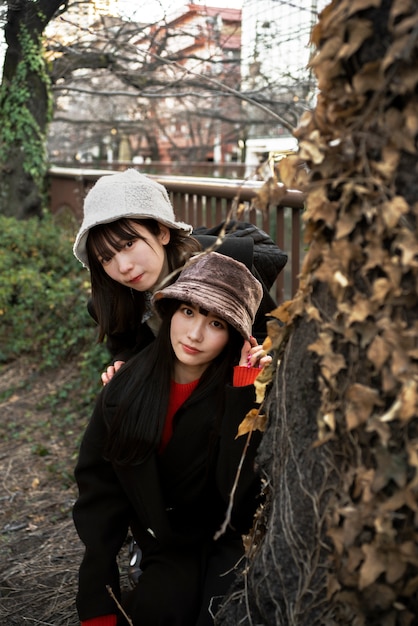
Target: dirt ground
{"x": 39, "y": 548}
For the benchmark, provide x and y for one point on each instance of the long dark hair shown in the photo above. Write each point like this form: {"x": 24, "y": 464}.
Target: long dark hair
{"x": 143, "y": 385}
{"x": 117, "y": 308}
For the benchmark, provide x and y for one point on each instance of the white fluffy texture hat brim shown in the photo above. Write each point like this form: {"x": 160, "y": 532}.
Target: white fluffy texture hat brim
{"x": 128, "y": 194}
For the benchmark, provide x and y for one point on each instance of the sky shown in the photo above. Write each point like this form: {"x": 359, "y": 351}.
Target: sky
{"x": 157, "y": 8}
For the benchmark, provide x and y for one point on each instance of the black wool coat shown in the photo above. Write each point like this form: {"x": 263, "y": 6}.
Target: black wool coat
{"x": 174, "y": 503}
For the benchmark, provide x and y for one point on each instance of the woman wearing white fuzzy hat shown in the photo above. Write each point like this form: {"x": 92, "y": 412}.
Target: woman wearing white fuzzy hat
{"x": 129, "y": 240}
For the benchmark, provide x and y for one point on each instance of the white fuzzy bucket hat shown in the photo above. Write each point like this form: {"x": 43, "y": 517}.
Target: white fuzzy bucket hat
{"x": 127, "y": 194}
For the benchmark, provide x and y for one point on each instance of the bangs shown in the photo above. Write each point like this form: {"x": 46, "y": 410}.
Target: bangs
{"x": 105, "y": 240}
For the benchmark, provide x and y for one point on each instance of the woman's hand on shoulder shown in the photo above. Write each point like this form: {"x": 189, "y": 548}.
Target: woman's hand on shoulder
{"x": 111, "y": 371}
{"x": 253, "y": 355}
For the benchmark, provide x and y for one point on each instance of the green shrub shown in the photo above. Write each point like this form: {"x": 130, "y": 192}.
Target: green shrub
{"x": 43, "y": 303}
{"x": 44, "y": 321}
{"x": 43, "y": 293}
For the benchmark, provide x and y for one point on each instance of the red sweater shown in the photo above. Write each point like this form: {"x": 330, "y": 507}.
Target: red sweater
{"x": 178, "y": 395}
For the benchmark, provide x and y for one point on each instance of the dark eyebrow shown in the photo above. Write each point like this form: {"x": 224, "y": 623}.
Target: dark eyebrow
{"x": 203, "y": 311}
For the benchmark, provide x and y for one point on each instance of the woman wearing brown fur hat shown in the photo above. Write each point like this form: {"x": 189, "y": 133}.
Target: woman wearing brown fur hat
{"x": 160, "y": 455}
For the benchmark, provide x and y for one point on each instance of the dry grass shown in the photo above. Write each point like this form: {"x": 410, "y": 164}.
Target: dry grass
{"x": 39, "y": 549}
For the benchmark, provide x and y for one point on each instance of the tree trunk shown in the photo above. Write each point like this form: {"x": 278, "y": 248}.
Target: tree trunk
{"x": 336, "y": 541}
{"x": 24, "y": 109}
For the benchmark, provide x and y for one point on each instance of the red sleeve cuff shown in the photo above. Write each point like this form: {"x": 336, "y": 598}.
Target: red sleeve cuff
{"x": 103, "y": 620}
{"x": 244, "y": 376}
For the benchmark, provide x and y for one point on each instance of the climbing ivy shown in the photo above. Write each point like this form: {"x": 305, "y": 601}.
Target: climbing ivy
{"x": 19, "y": 126}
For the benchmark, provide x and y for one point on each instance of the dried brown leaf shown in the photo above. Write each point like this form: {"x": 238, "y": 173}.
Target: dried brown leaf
{"x": 411, "y": 125}
{"x": 373, "y": 565}
{"x": 395, "y": 502}
{"x": 313, "y": 313}
{"x": 399, "y": 362}
{"x": 393, "y": 210}
{"x": 400, "y": 126}
{"x": 408, "y": 246}
{"x": 331, "y": 363}
{"x": 374, "y": 425}
{"x": 361, "y": 308}
{"x": 312, "y": 149}
{"x": 411, "y": 587}
{"x": 277, "y": 334}
{"x": 396, "y": 568}
{"x": 401, "y": 46}
{"x": 412, "y": 448}
{"x": 270, "y": 193}
{"x": 381, "y": 288}
{"x": 329, "y": 50}
{"x": 355, "y": 557}
{"x": 264, "y": 378}
{"x": 357, "y": 32}
{"x": 330, "y": 269}
{"x": 361, "y": 5}
{"x": 252, "y": 421}
{"x": 345, "y": 225}
{"x": 390, "y": 467}
{"x": 360, "y": 403}
{"x": 376, "y": 255}
{"x": 322, "y": 345}
{"x": 389, "y": 382}
{"x": 283, "y": 312}
{"x": 320, "y": 208}
{"x": 362, "y": 488}
{"x": 378, "y": 352}
{"x": 338, "y": 537}
{"x": 386, "y": 167}
{"x": 409, "y": 551}
{"x": 289, "y": 170}
{"x": 400, "y": 8}
{"x": 409, "y": 401}
{"x": 332, "y": 586}
{"x": 369, "y": 78}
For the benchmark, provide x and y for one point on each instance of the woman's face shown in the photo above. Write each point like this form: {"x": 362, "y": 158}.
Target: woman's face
{"x": 141, "y": 263}
{"x": 197, "y": 337}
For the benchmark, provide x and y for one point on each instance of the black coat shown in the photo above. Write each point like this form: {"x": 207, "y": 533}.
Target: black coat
{"x": 173, "y": 503}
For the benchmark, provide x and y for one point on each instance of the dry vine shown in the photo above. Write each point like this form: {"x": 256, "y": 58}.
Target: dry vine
{"x": 340, "y": 454}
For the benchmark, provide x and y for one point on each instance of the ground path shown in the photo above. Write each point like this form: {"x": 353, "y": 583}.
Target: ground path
{"x": 39, "y": 549}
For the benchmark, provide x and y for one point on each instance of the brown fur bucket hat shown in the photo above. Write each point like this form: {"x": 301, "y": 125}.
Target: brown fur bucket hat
{"x": 220, "y": 285}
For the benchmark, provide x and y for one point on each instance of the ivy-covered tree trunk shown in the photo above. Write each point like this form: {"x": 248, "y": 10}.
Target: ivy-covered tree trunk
{"x": 337, "y": 540}
{"x": 25, "y": 109}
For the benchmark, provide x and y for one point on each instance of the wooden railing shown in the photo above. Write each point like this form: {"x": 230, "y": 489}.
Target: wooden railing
{"x": 205, "y": 202}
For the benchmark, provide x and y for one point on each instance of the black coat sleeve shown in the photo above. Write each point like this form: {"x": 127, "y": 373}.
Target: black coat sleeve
{"x": 123, "y": 346}
{"x": 101, "y": 516}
